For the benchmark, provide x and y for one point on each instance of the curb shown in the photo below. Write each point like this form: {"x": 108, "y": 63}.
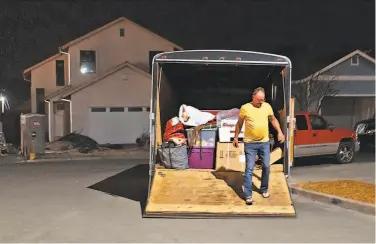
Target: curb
{"x": 78, "y": 159}
{"x": 358, "y": 206}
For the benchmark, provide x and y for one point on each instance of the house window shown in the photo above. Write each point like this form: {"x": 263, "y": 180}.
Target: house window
{"x": 135, "y": 109}
{"x": 60, "y": 79}
{"x": 98, "y": 109}
{"x": 88, "y": 61}
{"x": 355, "y": 60}
{"x": 121, "y": 31}
{"x": 151, "y": 56}
{"x": 40, "y": 104}
{"x": 116, "y": 109}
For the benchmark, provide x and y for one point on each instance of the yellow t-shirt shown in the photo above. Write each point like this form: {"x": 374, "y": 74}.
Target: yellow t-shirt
{"x": 256, "y": 127}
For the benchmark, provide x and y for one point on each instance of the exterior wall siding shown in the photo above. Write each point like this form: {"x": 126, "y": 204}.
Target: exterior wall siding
{"x": 113, "y": 49}
{"x": 45, "y": 77}
{"x": 355, "y": 87}
{"x": 125, "y": 88}
{"x": 365, "y": 67}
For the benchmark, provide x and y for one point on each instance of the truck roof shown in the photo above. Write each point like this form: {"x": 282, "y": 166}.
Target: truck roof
{"x": 222, "y": 56}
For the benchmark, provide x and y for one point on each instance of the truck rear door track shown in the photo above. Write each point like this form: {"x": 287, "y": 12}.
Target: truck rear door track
{"x": 196, "y": 193}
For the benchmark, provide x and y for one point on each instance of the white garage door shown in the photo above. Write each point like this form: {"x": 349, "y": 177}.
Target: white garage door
{"x": 346, "y": 111}
{"x": 118, "y": 125}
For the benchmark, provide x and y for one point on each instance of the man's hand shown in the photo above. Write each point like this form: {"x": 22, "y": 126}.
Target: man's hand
{"x": 235, "y": 142}
{"x": 281, "y": 137}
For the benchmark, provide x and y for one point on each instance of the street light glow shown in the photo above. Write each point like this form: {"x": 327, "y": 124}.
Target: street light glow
{"x": 2, "y": 98}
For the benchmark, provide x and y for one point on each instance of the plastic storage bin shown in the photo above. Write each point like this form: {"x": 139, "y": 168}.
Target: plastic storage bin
{"x": 205, "y": 137}
{"x": 201, "y": 157}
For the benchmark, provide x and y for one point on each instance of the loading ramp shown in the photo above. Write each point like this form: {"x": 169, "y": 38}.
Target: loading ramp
{"x": 207, "y": 193}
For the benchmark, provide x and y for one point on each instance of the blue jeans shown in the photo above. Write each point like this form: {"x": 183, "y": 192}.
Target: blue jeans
{"x": 251, "y": 150}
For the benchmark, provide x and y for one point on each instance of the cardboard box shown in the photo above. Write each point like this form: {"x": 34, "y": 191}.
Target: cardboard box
{"x": 231, "y": 158}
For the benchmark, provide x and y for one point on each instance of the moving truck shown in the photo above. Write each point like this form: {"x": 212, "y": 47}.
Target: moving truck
{"x": 212, "y": 80}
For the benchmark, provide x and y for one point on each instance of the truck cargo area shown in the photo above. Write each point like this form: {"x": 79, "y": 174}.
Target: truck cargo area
{"x": 193, "y": 193}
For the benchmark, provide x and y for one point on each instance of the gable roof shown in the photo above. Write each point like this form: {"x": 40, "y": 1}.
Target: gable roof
{"x": 42, "y": 62}
{"x": 69, "y": 90}
{"x": 339, "y": 61}
{"x": 109, "y": 25}
{"x": 79, "y": 39}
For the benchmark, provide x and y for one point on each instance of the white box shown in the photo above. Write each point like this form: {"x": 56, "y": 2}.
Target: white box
{"x": 226, "y": 132}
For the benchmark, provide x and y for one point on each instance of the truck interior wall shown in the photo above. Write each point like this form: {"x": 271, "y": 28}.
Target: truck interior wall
{"x": 216, "y": 87}
{"x": 168, "y": 101}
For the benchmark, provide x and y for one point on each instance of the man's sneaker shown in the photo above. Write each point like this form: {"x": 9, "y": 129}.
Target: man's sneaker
{"x": 249, "y": 201}
{"x": 265, "y": 194}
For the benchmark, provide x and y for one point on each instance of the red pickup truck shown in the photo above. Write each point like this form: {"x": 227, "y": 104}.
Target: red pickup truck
{"x": 314, "y": 136}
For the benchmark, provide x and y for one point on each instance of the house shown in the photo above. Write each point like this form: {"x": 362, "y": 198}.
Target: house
{"x": 99, "y": 84}
{"x": 353, "y": 80}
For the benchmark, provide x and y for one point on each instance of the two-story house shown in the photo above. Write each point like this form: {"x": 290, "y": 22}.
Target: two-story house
{"x": 352, "y": 77}
{"x": 99, "y": 84}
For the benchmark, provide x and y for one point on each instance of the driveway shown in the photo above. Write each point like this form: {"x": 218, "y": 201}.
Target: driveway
{"x": 99, "y": 201}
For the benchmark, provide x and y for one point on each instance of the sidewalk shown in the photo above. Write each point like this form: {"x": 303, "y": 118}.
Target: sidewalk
{"x": 66, "y": 156}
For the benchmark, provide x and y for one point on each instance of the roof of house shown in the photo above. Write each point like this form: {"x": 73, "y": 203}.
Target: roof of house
{"x": 339, "y": 61}
{"x": 109, "y": 25}
{"x": 42, "y": 62}
{"x": 69, "y": 90}
{"x": 81, "y": 38}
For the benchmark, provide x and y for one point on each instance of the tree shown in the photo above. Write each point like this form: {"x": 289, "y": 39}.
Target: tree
{"x": 310, "y": 91}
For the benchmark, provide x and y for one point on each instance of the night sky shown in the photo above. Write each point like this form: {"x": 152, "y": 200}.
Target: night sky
{"x": 312, "y": 33}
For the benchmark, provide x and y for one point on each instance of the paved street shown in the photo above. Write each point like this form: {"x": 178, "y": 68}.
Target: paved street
{"x": 99, "y": 201}
{"x": 311, "y": 169}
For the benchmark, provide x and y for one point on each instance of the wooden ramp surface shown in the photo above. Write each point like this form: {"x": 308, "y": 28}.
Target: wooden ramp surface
{"x": 200, "y": 193}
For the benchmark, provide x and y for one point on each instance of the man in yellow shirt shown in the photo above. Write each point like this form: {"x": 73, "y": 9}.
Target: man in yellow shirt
{"x": 256, "y": 115}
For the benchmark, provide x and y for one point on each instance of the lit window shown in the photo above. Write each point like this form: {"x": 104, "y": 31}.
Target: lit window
{"x": 87, "y": 61}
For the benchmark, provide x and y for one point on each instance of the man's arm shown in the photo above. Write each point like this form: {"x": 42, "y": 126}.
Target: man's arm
{"x": 273, "y": 120}
{"x": 240, "y": 122}
{"x": 238, "y": 127}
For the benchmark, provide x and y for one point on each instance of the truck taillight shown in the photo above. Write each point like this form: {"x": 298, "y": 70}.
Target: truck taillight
{"x": 164, "y": 57}
{"x": 238, "y": 59}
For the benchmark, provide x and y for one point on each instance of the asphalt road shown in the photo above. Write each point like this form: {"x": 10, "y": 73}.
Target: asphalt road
{"x": 313, "y": 169}
{"x": 99, "y": 201}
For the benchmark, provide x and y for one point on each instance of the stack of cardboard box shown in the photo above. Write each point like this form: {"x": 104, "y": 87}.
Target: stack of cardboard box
{"x": 230, "y": 158}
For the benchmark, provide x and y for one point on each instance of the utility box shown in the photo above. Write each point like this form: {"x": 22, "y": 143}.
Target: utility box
{"x": 32, "y": 134}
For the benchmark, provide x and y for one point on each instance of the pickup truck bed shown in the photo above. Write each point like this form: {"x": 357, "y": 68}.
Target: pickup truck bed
{"x": 208, "y": 193}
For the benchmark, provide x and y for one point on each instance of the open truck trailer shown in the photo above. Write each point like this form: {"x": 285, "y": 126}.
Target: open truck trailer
{"x": 217, "y": 80}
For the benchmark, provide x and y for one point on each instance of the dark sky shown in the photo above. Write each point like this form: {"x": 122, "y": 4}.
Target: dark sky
{"x": 312, "y": 33}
